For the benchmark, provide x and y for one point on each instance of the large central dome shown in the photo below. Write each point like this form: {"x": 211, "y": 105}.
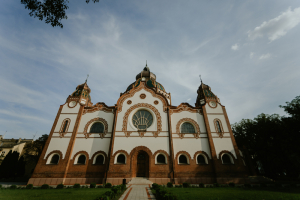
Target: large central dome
{"x": 147, "y": 76}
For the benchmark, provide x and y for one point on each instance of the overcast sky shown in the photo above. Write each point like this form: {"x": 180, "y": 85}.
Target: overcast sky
{"x": 246, "y": 51}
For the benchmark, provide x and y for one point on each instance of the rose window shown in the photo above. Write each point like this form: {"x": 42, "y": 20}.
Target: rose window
{"x": 142, "y": 119}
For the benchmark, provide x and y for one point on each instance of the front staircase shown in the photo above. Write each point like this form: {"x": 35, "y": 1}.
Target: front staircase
{"x": 139, "y": 181}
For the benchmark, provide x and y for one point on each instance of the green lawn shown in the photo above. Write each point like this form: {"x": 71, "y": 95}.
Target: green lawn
{"x": 228, "y": 193}
{"x": 52, "y": 194}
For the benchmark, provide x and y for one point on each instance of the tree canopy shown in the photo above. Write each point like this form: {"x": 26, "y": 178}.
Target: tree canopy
{"x": 53, "y": 11}
{"x": 272, "y": 141}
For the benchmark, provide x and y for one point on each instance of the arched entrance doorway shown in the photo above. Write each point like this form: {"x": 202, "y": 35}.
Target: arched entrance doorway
{"x": 142, "y": 167}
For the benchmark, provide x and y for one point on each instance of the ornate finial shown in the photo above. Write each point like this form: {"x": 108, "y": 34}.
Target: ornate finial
{"x": 86, "y": 78}
{"x": 146, "y": 63}
{"x": 200, "y": 78}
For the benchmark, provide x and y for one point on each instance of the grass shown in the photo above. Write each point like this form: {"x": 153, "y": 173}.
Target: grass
{"x": 50, "y": 194}
{"x": 229, "y": 193}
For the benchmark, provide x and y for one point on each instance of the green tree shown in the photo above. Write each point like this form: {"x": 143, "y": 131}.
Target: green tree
{"x": 9, "y": 165}
{"x": 53, "y": 11}
{"x": 272, "y": 141}
{"x": 32, "y": 151}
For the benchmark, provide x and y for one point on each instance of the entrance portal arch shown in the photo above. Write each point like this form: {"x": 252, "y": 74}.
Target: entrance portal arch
{"x": 140, "y": 161}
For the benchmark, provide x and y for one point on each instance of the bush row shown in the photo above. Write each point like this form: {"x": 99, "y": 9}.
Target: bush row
{"x": 60, "y": 186}
{"x": 115, "y": 190}
{"x": 161, "y": 193}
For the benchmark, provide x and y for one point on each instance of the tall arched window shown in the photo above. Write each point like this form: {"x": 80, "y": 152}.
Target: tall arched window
{"x": 218, "y": 127}
{"x": 65, "y": 126}
{"x": 183, "y": 159}
{"x": 160, "y": 159}
{"x": 97, "y": 127}
{"x": 226, "y": 159}
{"x": 81, "y": 159}
{"x": 121, "y": 159}
{"x": 100, "y": 160}
{"x": 142, "y": 119}
{"x": 187, "y": 128}
{"x": 54, "y": 159}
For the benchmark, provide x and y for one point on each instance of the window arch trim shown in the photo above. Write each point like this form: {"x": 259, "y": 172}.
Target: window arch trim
{"x": 231, "y": 156}
{"x": 76, "y": 156}
{"x": 203, "y": 153}
{"x": 51, "y": 154}
{"x": 216, "y": 121}
{"x": 89, "y": 125}
{"x": 117, "y": 153}
{"x": 193, "y": 122}
{"x": 94, "y": 157}
{"x": 164, "y": 153}
{"x": 186, "y": 154}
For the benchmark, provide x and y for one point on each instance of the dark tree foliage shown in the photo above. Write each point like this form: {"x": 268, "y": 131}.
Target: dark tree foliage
{"x": 273, "y": 141}
{"x": 53, "y": 11}
{"x": 9, "y": 165}
{"x": 32, "y": 151}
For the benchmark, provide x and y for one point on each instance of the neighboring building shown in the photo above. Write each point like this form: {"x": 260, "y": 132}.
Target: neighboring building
{"x": 7, "y": 145}
{"x": 142, "y": 135}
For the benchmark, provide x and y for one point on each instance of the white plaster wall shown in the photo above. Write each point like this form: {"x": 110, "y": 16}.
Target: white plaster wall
{"x": 212, "y": 125}
{"x": 191, "y": 146}
{"x": 176, "y": 117}
{"x": 222, "y": 144}
{"x": 149, "y": 100}
{"x": 91, "y": 145}
{"x": 217, "y": 109}
{"x": 60, "y": 144}
{"x": 61, "y": 118}
{"x": 66, "y": 109}
{"x": 146, "y": 134}
{"x": 109, "y": 117}
{"x": 154, "y": 144}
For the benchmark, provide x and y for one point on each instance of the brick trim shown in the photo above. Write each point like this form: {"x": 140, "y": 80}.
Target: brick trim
{"x": 120, "y": 152}
{"x": 81, "y": 152}
{"x": 99, "y": 106}
{"x": 61, "y": 133}
{"x": 167, "y": 156}
{"x": 142, "y": 105}
{"x": 92, "y": 121}
{"x": 97, "y": 153}
{"x": 201, "y": 152}
{"x": 184, "y": 107}
{"x": 55, "y": 152}
{"x": 226, "y": 152}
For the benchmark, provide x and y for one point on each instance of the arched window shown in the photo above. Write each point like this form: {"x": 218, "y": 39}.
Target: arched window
{"x": 100, "y": 160}
{"x": 160, "y": 159}
{"x": 121, "y": 159}
{"x": 218, "y": 127}
{"x": 81, "y": 159}
{"x": 183, "y": 159}
{"x": 226, "y": 159}
{"x": 65, "y": 126}
{"x": 97, "y": 127}
{"x": 142, "y": 119}
{"x": 201, "y": 159}
{"x": 187, "y": 128}
{"x": 54, "y": 159}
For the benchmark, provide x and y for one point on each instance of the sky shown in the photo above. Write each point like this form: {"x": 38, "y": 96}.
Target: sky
{"x": 246, "y": 51}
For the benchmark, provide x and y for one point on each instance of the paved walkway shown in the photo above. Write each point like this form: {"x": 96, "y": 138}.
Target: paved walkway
{"x": 138, "y": 189}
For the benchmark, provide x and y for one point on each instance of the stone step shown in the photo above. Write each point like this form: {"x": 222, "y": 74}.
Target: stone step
{"x": 140, "y": 181}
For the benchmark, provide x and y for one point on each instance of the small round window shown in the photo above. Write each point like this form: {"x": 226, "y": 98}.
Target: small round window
{"x": 142, "y": 119}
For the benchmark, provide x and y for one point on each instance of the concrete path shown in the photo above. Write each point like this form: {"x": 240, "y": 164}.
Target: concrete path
{"x": 138, "y": 189}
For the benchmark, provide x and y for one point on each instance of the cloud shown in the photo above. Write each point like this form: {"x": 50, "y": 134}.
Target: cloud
{"x": 235, "y": 47}
{"x": 251, "y": 55}
{"x": 277, "y": 27}
{"x": 265, "y": 56}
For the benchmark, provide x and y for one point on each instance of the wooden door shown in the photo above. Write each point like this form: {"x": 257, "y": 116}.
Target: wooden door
{"x": 141, "y": 164}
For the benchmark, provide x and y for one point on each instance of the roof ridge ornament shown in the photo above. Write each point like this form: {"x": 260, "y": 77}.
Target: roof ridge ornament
{"x": 86, "y": 78}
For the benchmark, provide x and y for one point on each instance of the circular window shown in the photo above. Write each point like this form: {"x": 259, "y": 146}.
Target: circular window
{"x": 142, "y": 119}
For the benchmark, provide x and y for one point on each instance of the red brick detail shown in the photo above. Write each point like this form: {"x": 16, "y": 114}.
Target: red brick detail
{"x": 99, "y": 106}
{"x": 141, "y": 148}
{"x": 227, "y": 152}
{"x": 155, "y": 102}
{"x": 81, "y": 152}
{"x": 204, "y": 153}
{"x": 133, "y": 159}
{"x": 129, "y": 102}
{"x": 97, "y": 119}
{"x": 161, "y": 152}
{"x": 139, "y": 105}
{"x": 185, "y": 153}
{"x": 195, "y": 124}
{"x": 97, "y": 153}
{"x": 140, "y": 87}
{"x": 184, "y": 107}
{"x": 61, "y": 133}
{"x": 121, "y": 151}
{"x": 55, "y": 152}
{"x": 143, "y": 96}
{"x": 221, "y": 126}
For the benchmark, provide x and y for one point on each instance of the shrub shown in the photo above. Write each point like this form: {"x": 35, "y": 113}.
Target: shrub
{"x": 247, "y": 185}
{"x": 0, "y": 186}
{"x": 100, "y": 186}
{"x": 185, "y": 185}
{"x": 278, "y": 185}
{"x": 116, "y": 189}
{"x": 155, "y": 186}
{"x": 263, "y": 185}
{"x": 293, "y": 185}
{"x": 162, "y": 194}
{"x": 108, "y": 185}
{"x": 201, "y": 185}
{"x": 45, "y": 186}
{"x": 231, "y": 184}
{"x": 123, "y": 187}
{"x": 169, "y": 184}
{"x": 29, "y": 186}
{"x": 13, "y": 187}
{"x": 60, "y": 186}
{"x": 216, "y": 185}
{"x": 76, "y": 185}
{"x": 178, "y": 186}
{"x": 93, "y": 185}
